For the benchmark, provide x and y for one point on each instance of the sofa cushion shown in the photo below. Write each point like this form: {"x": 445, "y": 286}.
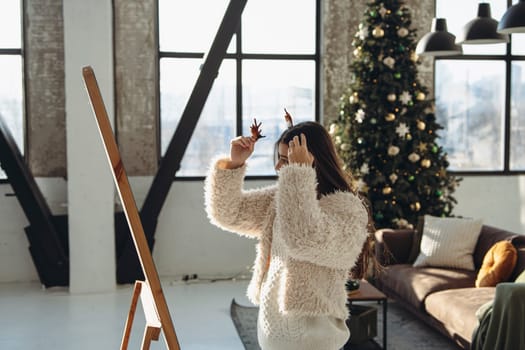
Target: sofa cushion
{"x": 392, "y": 246}
{"x": 416, "y": 240}
{"x": 456, "y": 308}
{"x": 519, "y": 242}
{"x": 448, "y": 242}
{"x": 414, "y": 284}
{"x": 487, "y": 238}
{"x": 498, "y": 264}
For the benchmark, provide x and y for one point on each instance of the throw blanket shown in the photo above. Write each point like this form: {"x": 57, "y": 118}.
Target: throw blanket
{"x": 501, "y": 324}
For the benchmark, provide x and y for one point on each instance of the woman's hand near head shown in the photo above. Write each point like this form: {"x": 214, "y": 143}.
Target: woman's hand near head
{"x": 298, "y": 151}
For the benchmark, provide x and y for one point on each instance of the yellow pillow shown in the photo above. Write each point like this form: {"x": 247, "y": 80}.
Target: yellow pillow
{"x": 497, "y": 265}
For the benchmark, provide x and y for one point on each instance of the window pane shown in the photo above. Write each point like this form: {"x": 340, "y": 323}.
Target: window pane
{"x": 458, "y": 13}
{"x": 190, "y": 26}
{"x": 518, "y": 40}
{"x": 517, "y": 117}
{"x": 470, "y": 107}
{"x": 269, "y": 87}
{"x": 276, "y": 26}
{"x": 216, "y": 126}
{"x": 518, "y": 43}
{"x": 10, "y": 25}
{"x": 11, "y": 104}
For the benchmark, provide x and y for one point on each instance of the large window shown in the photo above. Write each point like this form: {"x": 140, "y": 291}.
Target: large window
{"x": 272, "y": 63}
{"x": 11, "y": 90}
{"x": 480, "y": 96}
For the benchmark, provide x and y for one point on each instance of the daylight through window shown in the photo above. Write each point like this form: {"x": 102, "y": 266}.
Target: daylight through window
{"x": 272, "y": 63}
{"x": 479, "y": 96}
{"x": 11, "y": 88}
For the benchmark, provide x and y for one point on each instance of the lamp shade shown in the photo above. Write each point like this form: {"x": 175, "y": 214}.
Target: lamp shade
{"x": 482, "y": 29}
{"x": 513, "y": 21}
{"x": 438, "y": 42}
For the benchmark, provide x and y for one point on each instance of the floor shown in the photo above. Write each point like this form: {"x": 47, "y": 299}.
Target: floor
{"x": 35, "y": 318}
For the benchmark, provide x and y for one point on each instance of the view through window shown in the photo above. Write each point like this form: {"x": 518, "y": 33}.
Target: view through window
{"x": 11, "y": 90}
{"x": 272, "y": 63}
{"x": 480, "y": 96}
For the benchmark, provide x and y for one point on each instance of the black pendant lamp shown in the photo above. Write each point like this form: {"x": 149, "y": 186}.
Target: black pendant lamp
{"x": 513, "y": 21}
{"x": 438, "y": 42}
{"x": 482, "y": 29}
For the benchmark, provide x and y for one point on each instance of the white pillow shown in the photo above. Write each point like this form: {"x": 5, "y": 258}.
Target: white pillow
{"x": 448, "y": 242}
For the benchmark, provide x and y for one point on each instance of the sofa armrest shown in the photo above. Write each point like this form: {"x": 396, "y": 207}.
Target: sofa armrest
{"x": 393, "y": 246}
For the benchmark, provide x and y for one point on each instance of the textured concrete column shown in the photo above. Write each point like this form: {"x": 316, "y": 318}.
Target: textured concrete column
{"x": 45, "y": 104}
{"x": 136, "y": 63}
{"x": 88, "y": 40}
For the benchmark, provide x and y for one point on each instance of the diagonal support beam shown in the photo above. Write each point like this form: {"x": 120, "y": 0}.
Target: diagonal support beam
{"x": 47, "y": 246}
{"x": 128, "y": 269}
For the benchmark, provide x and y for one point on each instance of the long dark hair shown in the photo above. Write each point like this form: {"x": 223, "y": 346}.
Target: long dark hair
{"x": 331, "y": 178}
{"x": 330, "y": 175}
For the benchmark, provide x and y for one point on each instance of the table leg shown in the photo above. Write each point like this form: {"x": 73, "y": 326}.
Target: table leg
{"x": 385, "y": 305}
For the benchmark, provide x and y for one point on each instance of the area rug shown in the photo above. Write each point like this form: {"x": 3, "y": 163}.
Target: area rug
{"x": 404, "y": 331}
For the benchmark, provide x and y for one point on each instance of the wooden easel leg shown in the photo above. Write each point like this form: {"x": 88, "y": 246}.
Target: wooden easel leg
{"x": 131, "y": 315}
{"x": 150, "y": 333}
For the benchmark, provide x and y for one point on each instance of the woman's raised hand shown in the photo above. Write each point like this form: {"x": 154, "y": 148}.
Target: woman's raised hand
{"x": 241, "y": 148}
{"x": 298, "y": 151}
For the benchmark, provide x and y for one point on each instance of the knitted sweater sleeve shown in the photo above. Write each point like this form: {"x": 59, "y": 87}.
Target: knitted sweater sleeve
{"x": 232, "y": 208}
{"x": 329, "y": 231}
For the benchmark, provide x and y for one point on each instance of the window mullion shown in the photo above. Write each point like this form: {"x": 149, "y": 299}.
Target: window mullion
{"x": 238, "y": 84}
{"x": 507, "y": 127}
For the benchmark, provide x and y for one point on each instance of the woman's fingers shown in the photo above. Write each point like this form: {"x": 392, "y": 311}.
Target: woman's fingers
{"x": 298, "y": 151}
{"x": 303, "y": 140}
{"x": 243, "y": 141}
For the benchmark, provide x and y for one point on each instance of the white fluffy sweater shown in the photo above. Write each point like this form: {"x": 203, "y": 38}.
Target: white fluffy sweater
{"x": 310, "y": 243}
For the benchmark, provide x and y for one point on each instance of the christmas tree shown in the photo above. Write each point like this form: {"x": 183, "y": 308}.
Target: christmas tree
{"x": 386, "y": 131}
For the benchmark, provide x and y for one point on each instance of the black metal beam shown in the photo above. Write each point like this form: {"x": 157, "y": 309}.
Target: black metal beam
{"x": 128, "y": 268}
{"x": 47, "y": 244}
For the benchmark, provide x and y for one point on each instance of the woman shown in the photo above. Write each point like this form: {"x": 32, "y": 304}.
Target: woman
{"x": 311, "y": 228}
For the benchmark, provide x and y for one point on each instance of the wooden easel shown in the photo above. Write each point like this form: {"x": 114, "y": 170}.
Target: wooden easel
{"x": 150, "y": 291}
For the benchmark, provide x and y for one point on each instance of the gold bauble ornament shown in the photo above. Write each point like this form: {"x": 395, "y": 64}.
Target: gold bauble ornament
{"x": 390, "y": 117}
{"x": 421, "y": 125}
{"x": 387, "y": 190}
{"x": 402, "y": 32}
{"x": 426, "y": 163}
{"x": 334, "y": 129}
{"x": 357, "y": 52}
{"x": 354, "y": 98}
{"x": 413, "y": 56}
{"x": 420, "y": 96}
{"x": 415, "y": 206}
{"x": 391, "y": 97}
{"x": 345, "y": 147}
{"x": 378, "y": 32}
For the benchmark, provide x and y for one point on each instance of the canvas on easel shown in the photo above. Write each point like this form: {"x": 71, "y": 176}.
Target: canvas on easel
{"x": 150, "y": 291}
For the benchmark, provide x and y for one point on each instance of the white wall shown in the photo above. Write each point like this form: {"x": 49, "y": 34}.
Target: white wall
{"x": 88, "y": 41}
{"x": 187, "y": 243}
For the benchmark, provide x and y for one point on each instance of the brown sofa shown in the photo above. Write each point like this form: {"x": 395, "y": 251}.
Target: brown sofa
{"x": 446, "y": 299}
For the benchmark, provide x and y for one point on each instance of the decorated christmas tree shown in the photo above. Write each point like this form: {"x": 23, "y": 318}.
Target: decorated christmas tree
{"x": 386, "y": 132}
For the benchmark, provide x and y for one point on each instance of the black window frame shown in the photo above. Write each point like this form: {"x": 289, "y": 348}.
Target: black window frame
{"x": 508, "y": 58}
{"x": 239, "y": 56}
